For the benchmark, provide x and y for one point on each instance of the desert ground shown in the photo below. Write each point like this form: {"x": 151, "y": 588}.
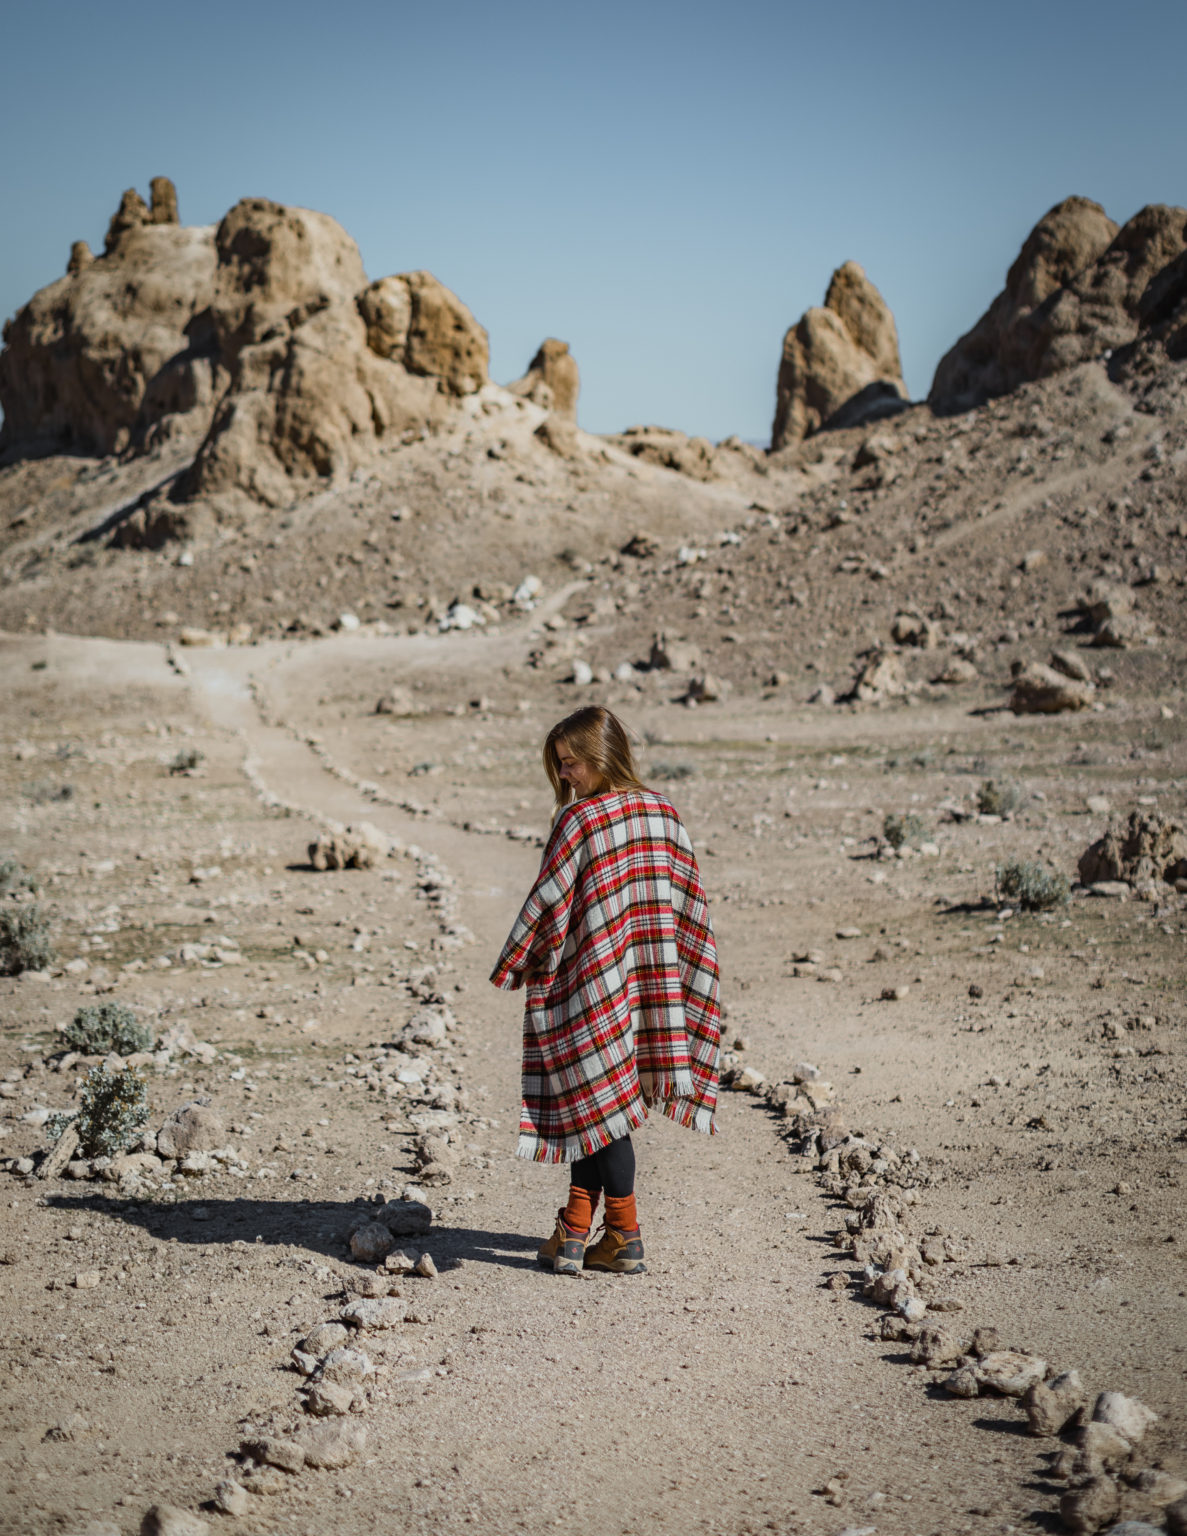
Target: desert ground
{"x": 290, "y": 595}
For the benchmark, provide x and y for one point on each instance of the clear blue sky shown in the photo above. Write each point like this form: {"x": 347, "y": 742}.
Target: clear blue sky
{"x": 667, "y": 186}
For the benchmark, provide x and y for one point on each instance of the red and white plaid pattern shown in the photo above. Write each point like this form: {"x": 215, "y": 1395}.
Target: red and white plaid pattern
{"x": 616, "y": 950}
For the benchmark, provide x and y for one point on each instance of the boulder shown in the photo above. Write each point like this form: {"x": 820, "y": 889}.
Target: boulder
{"x": 552, "y": 380}
{"x": 1128, "y": 1416}
{"x": 163, "y": 201}
{"x": 414, "y": 320}
{"x": 1052, "y": 1405}
{"x": 1040, "y": 690}
{"x": 195, "y": 1127}
{"x": 1094, "y": 1504}
{"x": 1150, "y": 848}
{"x": 559, "y": 433}
{"x": 834, "y": 355}
{"x": 1074, "y": 291}
{"x": 880, "y": 676}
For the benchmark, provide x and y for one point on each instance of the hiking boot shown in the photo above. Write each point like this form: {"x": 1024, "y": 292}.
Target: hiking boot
{"x": 618, "y": 1253}
{"x": 563, "y": 1252}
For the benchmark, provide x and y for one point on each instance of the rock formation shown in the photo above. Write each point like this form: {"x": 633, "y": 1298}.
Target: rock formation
{"x": 552, "y": 380}
{"x": 261, "y": 341}
{"x": 1079, "y": 286}
{"x": 842, "y": 358}
{"x": 692, "y": 456}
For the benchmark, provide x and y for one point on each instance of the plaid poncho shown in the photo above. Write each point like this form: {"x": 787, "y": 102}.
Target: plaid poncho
{"x": 616, "y": 949}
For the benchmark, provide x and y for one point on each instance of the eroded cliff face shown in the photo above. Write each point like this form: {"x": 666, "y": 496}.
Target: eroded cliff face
{"x": 260, "y": 341}
{"x": 841, "y": 358}
{"x": 1080, "y": 286}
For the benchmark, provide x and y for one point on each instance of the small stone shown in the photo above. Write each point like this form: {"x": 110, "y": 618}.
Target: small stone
{"x": 370, "y": 1285}
{"x": 912, "y": 1309}
{"x": 87, "y": 1280}
{"x": 168, "y": 1520}
{"x": 895, "y": 1329}
{"x": 325, "y": 1337}
{"x": 1052, "y": 1405}
{"x": 406, "y": 1218}
{"x": 1099, "y": 805}
{"x": 1129, "y": 1417}
{"x": 381, "y": 1312}
{"x": 303, "y": 1363}
{"x": 346, "y": 1366}
{"x": 1093, "y": 1505}
{"x": 326, "y": 1399}
{"x": 1101, "y": 1449}
{"x": 264, "y": 1482}
{"x": 231, "y": 1497}
{"x": 985, "y": 1341}
{"x": 1160, "y": 1488}
{"x": 399, "y": 1263}
{"x": 273, "y": 1451}
{"x": 330, "y": 1447}
{"x": 77, "y": 1428}
{"x": 936, "y": 1346}
{"x": 425, "y": 1267}
{"x": 848, "y": 933}
{"x": 1010, "y": 1373}
{"x": 894, "y": 994}
{"x": 963, "y": 1383}
{"x": 837, "y": 1282}
{"x": 371, "y": 1242}
{"x": 195, "y": 1127}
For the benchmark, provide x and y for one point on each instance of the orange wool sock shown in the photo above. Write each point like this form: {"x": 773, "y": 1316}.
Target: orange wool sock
{"x": 621, "y": 1213}
{"x": 578, "y": 1215}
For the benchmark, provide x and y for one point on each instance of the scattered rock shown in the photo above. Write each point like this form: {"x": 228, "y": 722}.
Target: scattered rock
{"x": 1126, "y": 1415}
{"x": 936, "y": 1346}
{"x": 1092, "y": 1505}
{"x": 1101, "y": 1449}
{"x": 425, "y": 1267}
{"x": 195, "y": 1127}
{"x": 1160, "y": 1488}
{"x": 1071, "y": 665}
{"x": 273, "y": 1451}
{"x": 325, "y": 1399}
{"x": 168, "y": 1520}
{"x": 881, "y": 676}
{"x": 330, "y": 1447}
{"x": 231, "y": 1497}
{"x": 378, "y": 1312}
{"x": 325, "y": 1337}
{"x": 406, "y": 1218}
{"x": 1010, "y": 1373}
{"x": 371, "y": 1243}
{"x": 964, "y": 1382}
{"x": 345, "y": 1367}
{"x": 1052, "y": 1405}
{"x": 1040, "y": 690}
{"x": 341, "y": 850}
{"x": 1150, "y": 849}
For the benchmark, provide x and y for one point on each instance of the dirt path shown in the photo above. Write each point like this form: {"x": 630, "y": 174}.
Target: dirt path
{"x": 719, "y": 1392}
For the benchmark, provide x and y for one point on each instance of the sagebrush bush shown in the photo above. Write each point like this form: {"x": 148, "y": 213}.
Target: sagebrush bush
{"x": 188, "y": 760}
{"x": 14, "y": 878}
{"x": 101, "y": 1027}
{"x": 112, "y": 1111}
{"x": 898, "y": 830}
{"x": 24, "y": 940}
{"x": 1032, "y": 886}
{"x": 998, "y": 797}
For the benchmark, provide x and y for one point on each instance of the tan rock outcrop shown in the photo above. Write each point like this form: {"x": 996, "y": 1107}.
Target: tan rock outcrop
{"x": 552, "y": 380}
{"x": 1076, "y": 289}
{"x": 261, "y": 339}
{"x": 80, "y": 257}
{"x": 842, "y": 355}
{"x": 692, "y": 456}
{"x": 95, "y": 357}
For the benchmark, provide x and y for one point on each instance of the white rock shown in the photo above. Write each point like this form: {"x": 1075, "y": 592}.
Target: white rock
{"x": 377, "y": 1312}
{"x": 346, "y": 1366}
{"x": 231, "y": 1497}
{"x": 582, "y": 673}
{"x": 325, "y": 1337}
{"x": 1126, "y": 1415}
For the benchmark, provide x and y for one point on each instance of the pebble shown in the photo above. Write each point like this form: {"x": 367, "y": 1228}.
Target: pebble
{"x": 168, "y": 1520}
{"x": 305, "y": 1364}
{"x": 231, "y": 1497}
{"x": 371, "y": 1285}
{"x": 399, "y": 1263}
{"x": 266, "y": 1481}
{"x": 87, "y": 1280}
{"x": 425, "y": 1267}
{"x": 894, "y": 994}
{"x": 848, "y": 933}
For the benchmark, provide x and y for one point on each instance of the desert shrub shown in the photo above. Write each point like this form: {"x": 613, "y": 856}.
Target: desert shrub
{"x": 101, "y": 1027}
{"x": 898, "y": 830}
{"x": 998, "y": 797}
{"x": 1032, "y": 886}
{"x": 671, "y": 771}
{"x": 24, "y": 940}
{"x": 188, "y": 760}
{"x": 112, "y": 1111}
{"x": 14, "y": 878}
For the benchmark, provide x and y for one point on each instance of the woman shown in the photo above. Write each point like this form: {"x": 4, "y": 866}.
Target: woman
{"x": 616, "y": 949}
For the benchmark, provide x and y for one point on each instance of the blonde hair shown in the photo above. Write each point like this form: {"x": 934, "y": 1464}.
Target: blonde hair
{"x": 599, "y": 739}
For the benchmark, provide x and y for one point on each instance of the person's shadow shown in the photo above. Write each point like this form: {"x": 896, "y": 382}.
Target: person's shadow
{"x": 321, "y": 1226}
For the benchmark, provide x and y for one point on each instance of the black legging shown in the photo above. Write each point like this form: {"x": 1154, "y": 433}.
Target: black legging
{"x": 610, "y": 1168}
